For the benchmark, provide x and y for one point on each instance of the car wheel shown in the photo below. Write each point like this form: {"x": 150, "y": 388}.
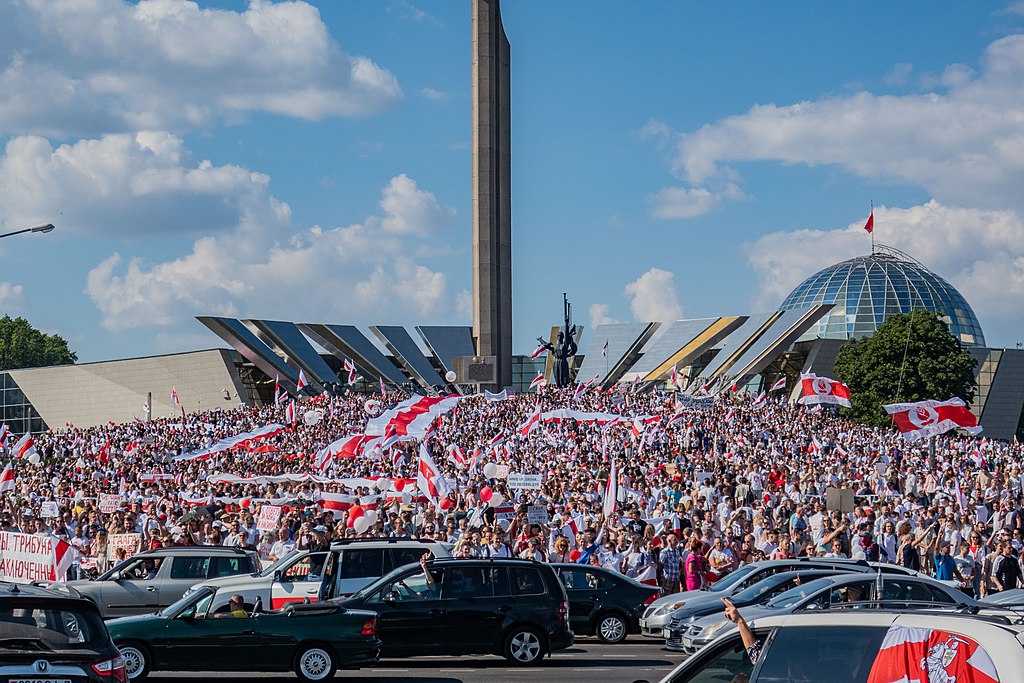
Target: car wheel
{"x": 315, "y": 663}
{"x": 611, "y": 628}
{"x": 523, "y": 646}
{"x": 136, "y": 660}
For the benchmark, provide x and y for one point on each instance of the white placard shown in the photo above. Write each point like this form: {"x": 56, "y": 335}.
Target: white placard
{"x": 49, "y": 509}
{"x": 25, "y": 558}
{"x": 269, "y": 517}
{"x": 501, "y": 472}
{"x": 517, "y": 480}
{"x": 131, "y": 543}
{"x": 537, "y": 514}
{"x": 109, "y": 502}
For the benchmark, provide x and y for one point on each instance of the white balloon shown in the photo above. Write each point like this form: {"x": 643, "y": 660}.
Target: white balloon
{"x": 33, "y": 459}
{"x": 383, "y": 484}
{"x": 496, "y": 499}
{"x": 504, "y": 524}
{"x": 361, "y": 524}
{"x": 490, "y": 469}
{"x": 406, "y": 497}
{"x": 372, "y": 406}
{"x": 418, "y": 520}
{"x": 79, "y": 495}
{"x": 370, "y": 516}
{"x": 450, "y": 376}
{"x": 312, "y": 417}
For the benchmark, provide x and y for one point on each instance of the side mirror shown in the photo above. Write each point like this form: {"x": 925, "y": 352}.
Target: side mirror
{"x": 390, "y": 596}
{"x": 116, "y": 577}
{"x": 188, "y": 615}
{"x": 278, "y": 576}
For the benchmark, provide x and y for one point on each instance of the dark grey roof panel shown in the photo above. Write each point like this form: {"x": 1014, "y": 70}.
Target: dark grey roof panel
{"x": 624, "y": 341}
{"x": 399, "y": 342}
{"x": 1002, "y": 411}
{"x": 736, "y": 342}
{"x": 346, "y": 341}
{"x": 785, "y": 330}
{"x": 241, "y": 339}
{"x": 678, "y": 334}
{"x": 298, "y": 349}
{"x": 447, "y": 342}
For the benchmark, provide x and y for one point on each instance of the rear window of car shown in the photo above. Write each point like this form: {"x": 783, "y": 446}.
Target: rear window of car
{"x": 802, "y": 653}
{"x": 527, "y": 581}
{"x": 367, "y": 563}
{"x": 38, "y": 627}
{"x": 404, "y": 556}
{"x": 229, "y": 566}
{"x": 189, "y": 567}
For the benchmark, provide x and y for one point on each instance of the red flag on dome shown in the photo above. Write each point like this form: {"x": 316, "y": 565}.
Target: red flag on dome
{"x": 823, "y": 390}
{"x": 870, "y": 225}
{"x": 929, "y": 418}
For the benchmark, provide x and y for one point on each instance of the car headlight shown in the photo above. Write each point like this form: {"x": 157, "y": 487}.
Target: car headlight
{"x": 671, "y": 607}
{"x": 715, "y": 629}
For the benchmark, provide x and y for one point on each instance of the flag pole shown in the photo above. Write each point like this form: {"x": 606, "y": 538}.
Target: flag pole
{"x": 872, "y": 228}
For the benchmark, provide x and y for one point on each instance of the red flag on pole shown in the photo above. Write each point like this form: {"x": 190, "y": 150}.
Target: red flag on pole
{"x": 870, "y": 225}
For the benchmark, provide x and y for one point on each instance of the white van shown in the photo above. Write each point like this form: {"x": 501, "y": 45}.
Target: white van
{"x": 296, "y": 576}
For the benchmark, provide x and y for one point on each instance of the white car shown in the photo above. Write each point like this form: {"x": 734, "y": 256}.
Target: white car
{"x": 296, "y": 577}
{"x": 857, "y": 646}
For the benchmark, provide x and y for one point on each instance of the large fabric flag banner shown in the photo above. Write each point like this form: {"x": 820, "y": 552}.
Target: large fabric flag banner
{"x": 930, "y": 418}
{"x": 925, "y": 655}
{"x": 25, "y": 558}
{"x": 823, "y": 390}
{"x": 227, "y": 444}
{"x": 412, "y": 417}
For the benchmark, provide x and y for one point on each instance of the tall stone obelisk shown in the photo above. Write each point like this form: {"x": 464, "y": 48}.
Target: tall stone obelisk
{"x": 492, "y": 206}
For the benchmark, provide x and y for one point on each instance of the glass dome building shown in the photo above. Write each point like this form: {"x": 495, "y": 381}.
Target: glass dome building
{"x": 868, "y": 289}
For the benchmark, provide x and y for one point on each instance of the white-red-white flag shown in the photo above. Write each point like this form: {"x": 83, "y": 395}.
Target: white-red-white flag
{"x": 531, "y": 423}
{"x": 278, "y": 394}
{"x": 290, "y": 413}
{"x": 978, "y": 456}
{"x": 496, "y": 440}
{"x": 540, "y": 349}
{"x": 457, "y": 456}
{"x": 781, "y": 384}
{"x": 580, "y": 390}
{"x": 924, "y": 654}
{"x": 477, "y": 452}
{"x": 611, "y": 490}
{"x": 429, "y": 479}
{"x": 730, "y": 416}
{"x": 674, "y": 377}
{"x": 25, "y": 447}
{"x": 412, "y": 416}
{"x": 381, "y": 380}
{"x": 573, "y": 528}
{"x": 930, "y": 418}
{"x": 174, "y": 397}
{"x": 5, "y": 433}
{"x": 301, "y": 381}
{"x": 538, "y": 381}
{"x": 823, "y": 390}
{"x": 761, "y": 399}
{"x": 350, "y": 367}
{"x": 7, "y": 478}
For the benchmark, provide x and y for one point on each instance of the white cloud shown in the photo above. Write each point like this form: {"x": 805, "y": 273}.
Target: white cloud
{"x": 10, "y": 296}
{"x": 411, "y": 211}
{"x": 599, "y": 316}
{"x": 673, "y": 203}
{"x": 653, "y": 297}
{"x": 433, "y": 95}
{"x": 980, "y": 252}
{"x": 963, "y": 145}
{"x": 83, "y": 68}
{"x": 125, "y": 184}
{"x": 899, "y": 74}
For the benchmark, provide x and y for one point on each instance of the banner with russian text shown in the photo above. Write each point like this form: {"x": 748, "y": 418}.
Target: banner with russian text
{"x": 25, "y": 558}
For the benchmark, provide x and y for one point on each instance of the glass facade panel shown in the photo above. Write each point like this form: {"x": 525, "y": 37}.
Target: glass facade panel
{"x": 15, "y": 410}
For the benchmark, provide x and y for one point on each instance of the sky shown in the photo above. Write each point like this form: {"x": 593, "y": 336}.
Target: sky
{"x": 311, "y": 161}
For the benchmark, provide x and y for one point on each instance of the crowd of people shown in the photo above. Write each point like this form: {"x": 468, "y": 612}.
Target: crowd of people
{"x": 702, "y": 487}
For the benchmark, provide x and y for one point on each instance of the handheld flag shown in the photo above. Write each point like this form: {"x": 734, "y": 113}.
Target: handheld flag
{"x": 301, "y": 382}
{"x": 781, "y": 384}
{"x": 7, "y": 478}
{"x": 351, "y": 368}
{"x": 930, "y": 418}
{"x": 823, "y": 390}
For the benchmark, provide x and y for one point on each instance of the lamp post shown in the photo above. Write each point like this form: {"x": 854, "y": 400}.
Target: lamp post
{"x": 45, "y": 227}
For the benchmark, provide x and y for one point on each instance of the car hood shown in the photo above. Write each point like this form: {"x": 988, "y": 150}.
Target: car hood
{"x": 130, "y": 623}
{"x": 240, "y": 581}
{"x": 689, "y": 598}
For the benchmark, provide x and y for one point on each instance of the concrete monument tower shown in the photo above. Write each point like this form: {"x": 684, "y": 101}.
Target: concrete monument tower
{"x": 492, "y": 207}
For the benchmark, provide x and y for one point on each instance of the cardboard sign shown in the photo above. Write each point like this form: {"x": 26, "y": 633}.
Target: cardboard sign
{"x": 501, "y": 472}
{"x": 537, "y": 514}
{"x": 109, "y": 502}
{"x": 517, "y": 480}
{"x": 839, "y": 499}
{"x": 49, "y": 509}
{"x": 25, "y": 558}
{"x": 269, "y": 517}
{"x": 130, "y": 543}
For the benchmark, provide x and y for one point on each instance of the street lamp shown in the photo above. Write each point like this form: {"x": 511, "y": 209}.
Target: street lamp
{"x": 45, "y": 227}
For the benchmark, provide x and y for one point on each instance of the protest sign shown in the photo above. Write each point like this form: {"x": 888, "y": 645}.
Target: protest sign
{"x": 501, "y": 472}
{"x": 109, "y": 502}
{"x": 49, "y": 509}
{"x": 130, "y": 543}
{"x": 837, "y": 499}
{"x": 517, "y": 480}
{"x": 25, "y": 558}
{"x": 537, "y": 514}
{"x": 269, "y": 516}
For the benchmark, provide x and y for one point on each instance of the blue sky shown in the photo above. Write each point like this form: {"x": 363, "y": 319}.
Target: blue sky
{"x": 311, "y": 162}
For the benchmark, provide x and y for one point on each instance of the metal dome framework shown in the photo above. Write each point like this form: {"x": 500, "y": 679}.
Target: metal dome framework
{"x": 867, "y": 289}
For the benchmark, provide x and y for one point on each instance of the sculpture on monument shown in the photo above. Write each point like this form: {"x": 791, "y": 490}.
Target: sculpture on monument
{"x": 564, "y": 349}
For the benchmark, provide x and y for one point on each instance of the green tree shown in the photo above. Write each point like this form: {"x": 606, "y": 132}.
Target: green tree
{"x": 23, "y": 346}
{"x": 936, "y": 366}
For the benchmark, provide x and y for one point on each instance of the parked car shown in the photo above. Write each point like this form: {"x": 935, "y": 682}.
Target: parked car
{"x": 157, "y": 578}
{"x": 1013, "y": 597}
{"x": 199, "y": 633}
{"x": 655, "y": 619}
{"x": 51, "y": 636}
{"x": 296, "y": 577}
{"x": 515, "y": 608}
{"x": 603, "y": 603}
{"x": 757, "y": 594}
{"x": 908, "y": 592}
{"x": 846, "y": 646}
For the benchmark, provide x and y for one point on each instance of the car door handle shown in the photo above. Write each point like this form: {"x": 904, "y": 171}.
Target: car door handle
{"x": 504, "y": 608}
{"x": 248, "y": 632}
{"x": 437, "y": 612}
{"x": 151, "y": 589}
{"x": 595, "y": 598}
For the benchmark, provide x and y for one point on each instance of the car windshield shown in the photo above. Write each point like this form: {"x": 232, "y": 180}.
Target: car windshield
{"x": 376, "y": 585}
{"x": 176, "y": 607}
{"x": 281, "y": 562}
{"x": 42, "y": 627}
{"x": 752, "y": 593}
{"x": 798, "y": 593}
{"x": 736, "y": 577}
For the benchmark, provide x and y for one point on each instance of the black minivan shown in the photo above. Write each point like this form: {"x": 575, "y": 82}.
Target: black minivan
{"x": 514, "y": 608}
{"x": 49, "y": 636}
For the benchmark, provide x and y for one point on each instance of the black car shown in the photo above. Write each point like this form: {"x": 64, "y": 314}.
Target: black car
{"x": 49, "y": 636}
{"x": 514, "y": 608}
{"x": 602, "y": 602}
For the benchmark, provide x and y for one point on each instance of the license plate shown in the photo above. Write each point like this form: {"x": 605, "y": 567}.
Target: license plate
{"x": 40, "y": 680}
{"x": 687, "y": 643}
{"x": 665, "y": 633}
{"x": 643, "y": 623}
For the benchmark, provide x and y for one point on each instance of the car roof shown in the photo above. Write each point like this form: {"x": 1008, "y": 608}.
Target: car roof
{"x": 194, "y": 550}
{"x": 14, "y": 591}
{"x": 487, "y": 560}
{"x": 341, "y": 542}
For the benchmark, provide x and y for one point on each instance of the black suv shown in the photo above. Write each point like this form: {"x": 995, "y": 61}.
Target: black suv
{"x": 154, "y": 579}
{"x": 49, "y": 636}
{"x": 514, "y": 608}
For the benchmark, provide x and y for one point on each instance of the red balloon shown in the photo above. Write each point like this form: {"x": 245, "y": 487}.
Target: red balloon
{"x": 574, "y": 555}
{"x": 486, "y": 493}
{"x": 399, "y": 484}
{"x": 350, "y": 522}
{"x": 446, "y": 503}
{"x": 246, "y": 502}
{"x": 354, "y": 513}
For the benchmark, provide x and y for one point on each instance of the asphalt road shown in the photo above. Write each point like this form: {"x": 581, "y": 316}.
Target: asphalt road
{"x": 588, "y": 660}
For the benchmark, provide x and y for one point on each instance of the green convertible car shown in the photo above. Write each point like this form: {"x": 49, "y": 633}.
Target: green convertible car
{"x": 204, "y": 631}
